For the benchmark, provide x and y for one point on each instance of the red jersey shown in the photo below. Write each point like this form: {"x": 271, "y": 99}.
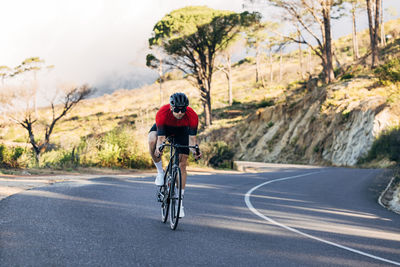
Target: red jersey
{"x": 166, "y": 122}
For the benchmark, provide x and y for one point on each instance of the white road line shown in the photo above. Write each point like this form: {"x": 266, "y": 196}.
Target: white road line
{"x": 256, "y": 212}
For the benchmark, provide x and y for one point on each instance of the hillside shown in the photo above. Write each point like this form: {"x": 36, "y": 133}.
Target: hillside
{"x": 316, "y": 124}
{"x": 289, "y": 120}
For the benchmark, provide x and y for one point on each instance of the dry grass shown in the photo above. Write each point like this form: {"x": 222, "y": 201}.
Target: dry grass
{"x": 137, "y": 108}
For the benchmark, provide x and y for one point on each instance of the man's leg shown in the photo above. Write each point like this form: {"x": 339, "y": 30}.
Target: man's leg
{"x": 152, "y": 139}
{"x": 182, "y": 165}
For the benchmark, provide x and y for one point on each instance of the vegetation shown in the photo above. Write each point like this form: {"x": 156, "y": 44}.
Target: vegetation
{"x": 114, "y": 149}
{"x": 111, "y": 131}
{"x": 389, "y": 72}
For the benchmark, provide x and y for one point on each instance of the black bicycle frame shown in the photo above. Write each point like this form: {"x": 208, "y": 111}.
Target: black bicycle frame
{"x": 173, "y": 163}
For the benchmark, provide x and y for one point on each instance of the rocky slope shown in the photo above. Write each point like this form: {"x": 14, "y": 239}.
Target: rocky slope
{"x": 334, "y": 125}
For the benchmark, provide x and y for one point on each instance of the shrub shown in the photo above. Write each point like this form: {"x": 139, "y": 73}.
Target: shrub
{"x": 74, "y": 118}
{"x": 346, "y": 115}
{"x": 17, "y": 153}
{"x": 68, "y": 159}
{"x": 387, "y": 145}
{"x": 9, "y": 157}
{"x": 3, "y": 154}
{"x": 389, "y": 72}
{"x": 109, "y": 155}
{"x": 236, "y": 102}
{"x": 59, "y": 159}
{"x": 117, "y": 148}
{"x": 265, "y": 103}
{"x": 217, "y": 154}
{"x": 250, "y": 60}
{"x": 337, "y": 71}
{"x": 347, "y": 76}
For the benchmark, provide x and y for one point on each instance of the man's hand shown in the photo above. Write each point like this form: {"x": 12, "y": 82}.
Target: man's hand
{"x": 158, "y": 153}
{"x": 197, "y": 156}
{"x": 196, "y": 153}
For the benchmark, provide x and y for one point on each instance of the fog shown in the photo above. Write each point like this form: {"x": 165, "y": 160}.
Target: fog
{"x": 101, "y": 42}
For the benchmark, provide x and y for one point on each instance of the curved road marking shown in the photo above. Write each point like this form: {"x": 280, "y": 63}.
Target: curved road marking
{"x": 256, "y": 212}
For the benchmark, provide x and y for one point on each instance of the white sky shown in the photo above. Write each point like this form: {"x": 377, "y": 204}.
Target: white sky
{"x": 87, "y": 39}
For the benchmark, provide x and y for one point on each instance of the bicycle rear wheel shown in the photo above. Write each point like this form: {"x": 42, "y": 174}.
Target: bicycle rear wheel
{"x": 175, "y": 198}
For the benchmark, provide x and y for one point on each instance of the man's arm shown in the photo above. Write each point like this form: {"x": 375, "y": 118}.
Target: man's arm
{"x": 193, "y": 142}
{"x": 160, "y": 140}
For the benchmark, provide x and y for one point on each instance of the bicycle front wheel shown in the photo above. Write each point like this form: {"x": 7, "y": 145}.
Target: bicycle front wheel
{"x": 175, "y": 198}
{"x": 166, "y": 199}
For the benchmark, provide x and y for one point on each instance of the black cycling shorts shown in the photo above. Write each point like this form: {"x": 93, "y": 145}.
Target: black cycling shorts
{"x": 180, "y": 134}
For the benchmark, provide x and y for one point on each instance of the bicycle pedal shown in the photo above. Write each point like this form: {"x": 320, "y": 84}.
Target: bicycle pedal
{"x": 159, "y": 196}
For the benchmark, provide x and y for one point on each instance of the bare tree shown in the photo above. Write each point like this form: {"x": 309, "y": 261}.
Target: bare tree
{"x": 383, "y": 39}
{"x": 26, "y": 117}
{"x": 309, "y": 65}
{"x": 225, "y": 59}
{"x": 32, "y": 65}
{"x": 355, "y": 7}
{"x": 374, "y": 28}
{"x": 280, "y": 64}
{"x": 157, "y": 63}
{"x": 300, "y": 55}
{"x": 356, "y": 53}
{"x": 258, "y": 37}
{"x": 255, "y": 36}
{"x": 306, "y": 14}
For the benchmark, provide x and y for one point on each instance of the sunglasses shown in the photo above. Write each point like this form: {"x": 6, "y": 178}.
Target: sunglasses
{"x": 182, "y": 110}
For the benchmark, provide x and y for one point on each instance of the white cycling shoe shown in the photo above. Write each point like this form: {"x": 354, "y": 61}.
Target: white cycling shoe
{"x": 159, "y": 179}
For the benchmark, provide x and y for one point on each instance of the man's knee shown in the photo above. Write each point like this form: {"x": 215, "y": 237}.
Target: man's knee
{"x": 183, "y": 161}
{"x": 152, "y": 138}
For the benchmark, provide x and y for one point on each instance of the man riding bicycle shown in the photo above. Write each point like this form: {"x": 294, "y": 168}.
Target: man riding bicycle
{"x": 178, "y": 120}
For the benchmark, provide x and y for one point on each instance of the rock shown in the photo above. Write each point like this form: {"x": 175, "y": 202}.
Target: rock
{"x": 24, "y": 172}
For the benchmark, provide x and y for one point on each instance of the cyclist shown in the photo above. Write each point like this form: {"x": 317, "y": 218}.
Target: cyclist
{"x": 178, "y": 120}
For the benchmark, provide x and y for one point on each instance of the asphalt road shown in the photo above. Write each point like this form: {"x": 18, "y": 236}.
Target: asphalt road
{"x": 284, "y": 217}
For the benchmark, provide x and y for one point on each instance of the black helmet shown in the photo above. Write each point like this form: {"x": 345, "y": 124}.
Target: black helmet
{"x": 179, "y": 100}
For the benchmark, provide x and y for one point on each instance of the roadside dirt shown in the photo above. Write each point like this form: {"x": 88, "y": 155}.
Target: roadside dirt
{"x": 17, "y": 181}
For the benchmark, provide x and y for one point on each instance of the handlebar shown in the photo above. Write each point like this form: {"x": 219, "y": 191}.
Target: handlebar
{"x": 163, "y": 145}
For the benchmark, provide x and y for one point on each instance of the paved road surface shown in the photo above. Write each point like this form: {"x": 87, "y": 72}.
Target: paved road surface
{"x": 284, "y": 217}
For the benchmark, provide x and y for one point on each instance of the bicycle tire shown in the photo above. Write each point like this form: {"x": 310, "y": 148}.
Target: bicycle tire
{"x": 175, "y": 198}
{"x": 166, "y": 200}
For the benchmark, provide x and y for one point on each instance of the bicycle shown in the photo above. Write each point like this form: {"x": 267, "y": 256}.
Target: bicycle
{"x": 170, "y": 194}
